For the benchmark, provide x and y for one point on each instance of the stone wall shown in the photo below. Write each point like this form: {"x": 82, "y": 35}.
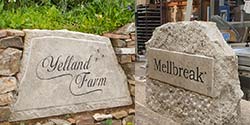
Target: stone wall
{"x": 123, "y": 42}
{"x": 11, "y": 49}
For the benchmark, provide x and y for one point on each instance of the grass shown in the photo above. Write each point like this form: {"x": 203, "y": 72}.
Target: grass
{"x": 96, "y": 16}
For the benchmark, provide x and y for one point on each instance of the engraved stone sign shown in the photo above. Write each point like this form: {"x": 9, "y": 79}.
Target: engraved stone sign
{"x": 192, "y": 75}
{"x": 68, "y": 75}
{"x": 188, "y": 71}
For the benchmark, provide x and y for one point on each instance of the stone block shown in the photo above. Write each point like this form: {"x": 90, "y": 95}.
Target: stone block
{"x": 123, "y": 51}
{"x": 4, "y": 113}
{"x": 78, "y": 71}
{"x": 218, "y": 102}
{"x": 6, "y": 99}
{"x": 12, "y": 42}
{"x": 118, "y": 43}
{"x": 127, "y": 29}
{"x": 132, "y": 90}
{"x": 84, "y": 120}
{"x": 7, "y": 84}
{"x": 116, "y": 36}
{"x": 131, "y": 111}
{"x": 119, "y": 114}
{"x": 133, "y": 58}
{"x": 129, "y": 68}
{"x": 60, "y": 121}
{"x": 10, "y": 61}
{"x": 12, "y": 32}
{"x": 101, "y": 117}
{"x": 116, "y": 122}
{"x": 122, "y": 59}
{"x": 131, "y": 82}
{"x": 129, "y": 120}
{"x": 133, "y": 36}
{"x": 3, "y": 33}
{"x": 131, "y": 44}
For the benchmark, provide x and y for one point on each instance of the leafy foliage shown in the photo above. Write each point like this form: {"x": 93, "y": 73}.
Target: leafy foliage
{"x": 92, "y": 16}
{"x": 108, "y": 122}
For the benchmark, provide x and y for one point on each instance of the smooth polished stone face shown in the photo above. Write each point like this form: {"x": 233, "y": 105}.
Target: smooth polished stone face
{"x": 67, "y": 75}
{"x": 192, "y": 72}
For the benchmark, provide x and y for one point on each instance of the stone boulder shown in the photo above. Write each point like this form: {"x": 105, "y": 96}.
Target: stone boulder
{"x": 189, "y": 107}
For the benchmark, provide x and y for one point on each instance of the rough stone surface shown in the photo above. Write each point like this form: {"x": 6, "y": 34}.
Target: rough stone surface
{"x": 71, "y": 120}
{"x": 129, "y": 68}
{"x": 72, "y": 89}
{"x": 12, "y": 32}
{"x": 7, "y": 84}
{"x": 82, "y": 120}
{"x": 5, "y": 123}
{"x": 124, "y": 59}
{"x": 129, "y": 120}
{"x": 6, "y": 99}
{"x": 120, "y": 114}
{"x": 145, "y": 116}
{"x": 12, "y": 41}
{"x": 133, "y": 58}
{"x": 127, "y": 29}
{"x": 116, "y": 122}
{"x": 129, "y": 40}
{"x": 3, "y": 33}
{"x": 131, "y": 82}
{"x": 100, "y": 117}
{"x": 131, "y": 44}
{"x": 10, "y": 61}
{"x": 49, "y": 123}
{"x": 4, "y": 113}
{"x": 118, "y": 43}
{"x": 38, "y": 123}
{"x": 133, "y": 36}
{"x": 60, "y": 122}
{"x": 245, "y": 112}
{"x": 131, "y": 111}
{"x": 132, "y": 90}
{"x": 116, "y": 36}
{"x": 187, "y": 107}
{"x": 124, "y": 51}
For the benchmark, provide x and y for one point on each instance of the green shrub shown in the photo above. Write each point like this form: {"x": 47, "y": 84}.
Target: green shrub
{"x": 91, "y": 16}
{"x": 108, "y": 122}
